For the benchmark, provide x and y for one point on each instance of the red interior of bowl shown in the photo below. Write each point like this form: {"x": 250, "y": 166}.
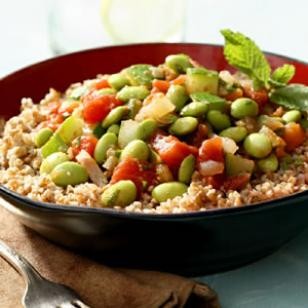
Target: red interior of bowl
{"x": 35, "y": 81}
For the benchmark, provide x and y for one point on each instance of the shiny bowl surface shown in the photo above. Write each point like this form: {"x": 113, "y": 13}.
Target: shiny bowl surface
{"x": 191, "y": 243}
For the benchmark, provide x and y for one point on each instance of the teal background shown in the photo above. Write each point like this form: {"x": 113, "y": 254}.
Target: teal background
{"x": 277, "y": 281}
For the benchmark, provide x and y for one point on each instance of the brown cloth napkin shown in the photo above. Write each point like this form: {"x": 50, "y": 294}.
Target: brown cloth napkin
{"x": 97, "y": 285}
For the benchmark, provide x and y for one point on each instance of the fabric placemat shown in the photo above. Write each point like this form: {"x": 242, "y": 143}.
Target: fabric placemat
{"x": 97, "y": 285}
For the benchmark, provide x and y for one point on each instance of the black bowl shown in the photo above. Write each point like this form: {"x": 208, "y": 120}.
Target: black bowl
{"x": 191, "y": 243}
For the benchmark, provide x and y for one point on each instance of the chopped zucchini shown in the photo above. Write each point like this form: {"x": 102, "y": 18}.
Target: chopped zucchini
{"x": 54, "y": 144}
{"x": 71, "y": 128}
{"x": 236, "y": 165}
{"x": 201, "y": 79}
{"x": 129, "y": 131}
{"x": 139, "y": 74}
{"x": 179, "y": 63}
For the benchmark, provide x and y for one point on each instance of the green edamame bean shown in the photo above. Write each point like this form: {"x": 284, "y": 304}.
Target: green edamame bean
{"x": 69, "y": 173}
{"x": 114, "y": 128}
{"x": 42, "y": 136}
{"x": 186, "y": 169}
{"x": 121, "y": 194}
{"x": 168, "y": 119}
{"x": 103, "y": 144}
{"x": 292, "y": 116}
{"x": 118, "y": 81}
{"x": 268, "y": 164}
{"x": 236, "y": 133}
{"x": 170, "y": 190}
{"x": 106, "y": 91}
{"x": 258, "y": 145}
{"x": 195, "y": 109}
{"x": 178, "y": 63}
{"x": 177, "y": 95}
{"x": 244, "y": 107}
{"x": 51, "y": 161}
{"x": 183, "y": 126}
{"x": 129, "y": 92}
{"x": 115, "y": 116}
{"x": 134, "y": 105}
{"x": 137, "y": 149}
{"x": 147, "y": 128}
{"x": 218, "y": 119}
{"x": 213, "y": 102}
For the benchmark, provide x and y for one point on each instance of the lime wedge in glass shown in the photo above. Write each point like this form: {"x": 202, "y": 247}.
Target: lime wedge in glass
{"x": 133, "y": 21}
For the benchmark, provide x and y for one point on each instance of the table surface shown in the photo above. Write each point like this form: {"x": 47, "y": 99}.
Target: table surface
{"x": 281, "y": 279}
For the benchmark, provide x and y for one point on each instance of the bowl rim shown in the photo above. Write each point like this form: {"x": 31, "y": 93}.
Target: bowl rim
{"x": 210, "y": 213}
{"x": 96, "y": 49}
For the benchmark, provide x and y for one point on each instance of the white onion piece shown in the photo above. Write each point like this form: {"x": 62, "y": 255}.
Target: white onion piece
{"x": 93, "y": 169}
{"x": 274, "y": 138}
{"x": 156, "y": 106}
{"x": 211, "y": 167}
{"x": 227, "y": 77}
{"x": 229, "y": 145}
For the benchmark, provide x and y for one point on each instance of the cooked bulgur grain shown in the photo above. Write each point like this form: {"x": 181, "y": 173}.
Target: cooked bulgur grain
{"x": 234, "y": 154}
{"x": 20, "y": 162}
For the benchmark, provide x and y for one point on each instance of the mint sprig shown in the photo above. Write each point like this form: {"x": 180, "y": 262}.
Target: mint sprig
{"x": 283, "y": 74}
{"x": 293, "y": 96}
{"x": 242, "y": 53}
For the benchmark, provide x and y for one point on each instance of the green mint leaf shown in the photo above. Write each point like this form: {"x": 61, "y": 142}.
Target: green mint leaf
{"x": 242, "y": 53}
{"x": 275, "y": 84}
{"x": 283, "y": 74}
{"x": 293, "y": 96}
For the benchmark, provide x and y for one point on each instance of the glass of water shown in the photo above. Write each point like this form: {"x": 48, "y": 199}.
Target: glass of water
{"x": 81, "y": 24}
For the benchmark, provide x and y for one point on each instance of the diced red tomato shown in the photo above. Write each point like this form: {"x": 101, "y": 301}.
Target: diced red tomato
{"x": 237, "y": 93}
{"x": 211, "y": 149}
{"x": 86, "y": 143}
{"x": 171, "y": 150}
{"x": 134, "y": 170}
{"x": 294, "y": 135}
{"x": 236, "y": 182}
{"x": 101, "y": 84}
{"x": 161, "y": 85}
{"x": 260, "y": 96}
{"x": 97, "y": 106}
{"x": 216, "y": 180}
